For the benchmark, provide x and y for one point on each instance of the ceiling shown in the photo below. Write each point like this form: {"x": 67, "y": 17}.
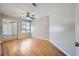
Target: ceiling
{"x": 21, "y": 9}
{"x": 16, "y": 9}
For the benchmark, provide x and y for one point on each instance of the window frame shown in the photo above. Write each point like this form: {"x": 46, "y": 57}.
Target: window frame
{"x": 26, "y": 30}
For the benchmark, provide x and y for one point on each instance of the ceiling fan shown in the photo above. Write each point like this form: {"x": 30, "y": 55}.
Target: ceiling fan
{"x": 30, "y": 16}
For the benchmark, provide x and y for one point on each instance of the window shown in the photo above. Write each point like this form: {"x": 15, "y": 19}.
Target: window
{"x": 26, "y": 26}
{"x": 9, "y": 27}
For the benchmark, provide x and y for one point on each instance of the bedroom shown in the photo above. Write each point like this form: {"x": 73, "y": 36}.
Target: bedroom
{"x": 37, "y": 22}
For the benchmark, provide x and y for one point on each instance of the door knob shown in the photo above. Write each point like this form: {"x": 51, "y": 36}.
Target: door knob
{"x": 76, "y": 44}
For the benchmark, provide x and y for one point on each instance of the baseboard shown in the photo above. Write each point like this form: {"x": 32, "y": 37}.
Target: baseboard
{"x": 59, "y": 48}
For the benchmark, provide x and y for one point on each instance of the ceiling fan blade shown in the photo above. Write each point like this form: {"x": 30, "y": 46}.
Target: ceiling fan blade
{"x": 32, "y": 17}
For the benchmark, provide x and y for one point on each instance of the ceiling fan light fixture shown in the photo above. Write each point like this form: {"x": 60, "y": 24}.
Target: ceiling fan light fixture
{"x": 29, "y": 16}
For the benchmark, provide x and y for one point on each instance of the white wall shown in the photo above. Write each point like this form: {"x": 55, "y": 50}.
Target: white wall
{"x": 77, "y": 27}
{"x": 0, "y": 24}
{"x": 62, "y": 28}
{"x": 0, "y": 27}
{"x": 0, "y": 32}
{"x": 40, "y": 28}
{"x": 61, "y": 25}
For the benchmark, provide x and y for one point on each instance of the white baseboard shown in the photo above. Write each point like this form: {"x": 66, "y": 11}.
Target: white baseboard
{"x": 59, "y": 48}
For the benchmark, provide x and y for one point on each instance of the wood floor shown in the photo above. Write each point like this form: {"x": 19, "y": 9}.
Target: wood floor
{"x": 29, "y": 47}
{"x": 13, "y": 37}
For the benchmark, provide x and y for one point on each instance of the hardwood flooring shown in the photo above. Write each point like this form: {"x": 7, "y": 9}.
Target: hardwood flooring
{"x": 14, "y": 37}
{"x": 29, "y": 47}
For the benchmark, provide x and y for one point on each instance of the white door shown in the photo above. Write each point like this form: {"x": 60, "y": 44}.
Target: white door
{"x": 77, "y": 28}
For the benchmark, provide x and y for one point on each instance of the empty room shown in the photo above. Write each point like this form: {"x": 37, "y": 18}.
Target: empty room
{"x": 39, "y": 29}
